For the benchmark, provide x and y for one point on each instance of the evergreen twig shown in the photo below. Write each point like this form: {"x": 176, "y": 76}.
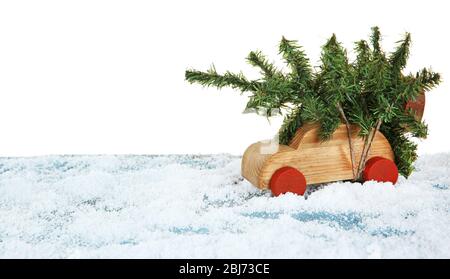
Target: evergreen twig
{"x": 212, "y": 78}
{"x": 297, "y": 60}
{"x": 257, "y": 59}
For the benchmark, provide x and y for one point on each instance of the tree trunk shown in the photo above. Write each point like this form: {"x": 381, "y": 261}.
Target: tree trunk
{"x": 350, "y": 142}
{"x": 361, "y": 162}
{"x": 365, "y": 153}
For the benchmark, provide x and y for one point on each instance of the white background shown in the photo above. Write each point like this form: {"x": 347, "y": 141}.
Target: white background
{"x": 93, "y": 77}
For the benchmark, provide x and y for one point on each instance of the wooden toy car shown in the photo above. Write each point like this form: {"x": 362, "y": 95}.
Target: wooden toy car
{"x": 307, "y": 160}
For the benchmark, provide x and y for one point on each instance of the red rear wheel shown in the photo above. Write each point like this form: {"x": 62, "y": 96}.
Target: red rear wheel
{"x": 287, "y": 179}
{"x": 381, "y": 170}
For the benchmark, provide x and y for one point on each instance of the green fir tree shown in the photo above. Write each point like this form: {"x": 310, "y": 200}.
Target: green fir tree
{"x": 369, "y": 93}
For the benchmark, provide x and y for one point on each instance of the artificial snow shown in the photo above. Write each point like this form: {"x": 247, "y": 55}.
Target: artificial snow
{"x": 186, "y": 206}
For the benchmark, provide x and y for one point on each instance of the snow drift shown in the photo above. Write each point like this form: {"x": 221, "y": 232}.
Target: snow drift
{"x": 199, "y": 206}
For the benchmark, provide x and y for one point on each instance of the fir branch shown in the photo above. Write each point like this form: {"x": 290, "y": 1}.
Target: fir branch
{"x": 292, "y": 122}
{"x": 297, "y": 60}
{"x": 337, "y": 83}
{"x": 212, "y": 78}
{"x": 363, "y": 52}
{"x": 313, "y": 109}
{"x": 257, "y": 59}
{"x": 375, "y": 39}
{"x": 404, "y": 149}
{"x": 417, "y": 128}
{"x": 427, "y": 79}
{"x": 410, "y": 86}
{"x": 274, "y": 93}
{"x": 363, "y": 57}
{"x": 335, "y": 72}
{"x": 400, "y": 56}
{"x": 408, "y": 89}
{"x": 362, "y": 121}
{"x": 329, "y": 122}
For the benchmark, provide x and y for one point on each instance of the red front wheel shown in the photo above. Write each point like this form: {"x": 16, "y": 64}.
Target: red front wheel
{"x": 287, "y": 179}
{"x": 381, "y": 170}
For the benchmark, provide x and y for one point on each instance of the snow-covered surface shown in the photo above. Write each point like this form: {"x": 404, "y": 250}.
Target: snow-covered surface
{"x": 199, "y": 206}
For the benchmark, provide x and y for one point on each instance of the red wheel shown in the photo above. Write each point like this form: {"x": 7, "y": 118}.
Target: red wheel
{"x": 381, "y": 170}
{"x": 287, "y": 179}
